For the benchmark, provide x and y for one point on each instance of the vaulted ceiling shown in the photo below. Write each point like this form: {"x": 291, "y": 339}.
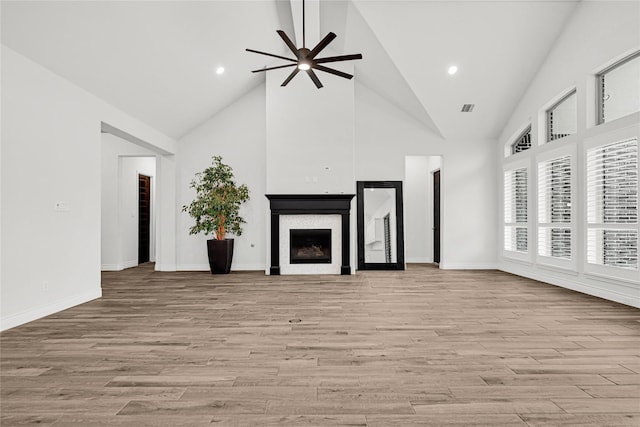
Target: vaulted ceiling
{"x": 157, "y": 60}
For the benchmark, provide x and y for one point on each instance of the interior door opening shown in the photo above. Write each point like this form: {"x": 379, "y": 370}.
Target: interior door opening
{"x": 144, "y": 218}
{"x": 423, "y": 209}
{"x": 128, "y": 204}
{"x": 436, "y": 216}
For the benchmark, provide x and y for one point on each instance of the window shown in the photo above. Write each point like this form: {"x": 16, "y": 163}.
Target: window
{"x": 612, "y": 204}
{"x": 562, "y": 118}
{"x": 554, "y": 208}
{"x": 619, "y": 89}
{"x": 523, "y": 142}
{"x": 515, "y": 210}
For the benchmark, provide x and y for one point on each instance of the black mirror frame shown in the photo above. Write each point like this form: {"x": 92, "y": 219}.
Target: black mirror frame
{"x": 399, "y": 264}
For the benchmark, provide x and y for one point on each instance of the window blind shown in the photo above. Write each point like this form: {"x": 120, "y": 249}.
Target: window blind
{"x": 554, "y": 208}
{"x": 523, "y": 142}
{"x": 515, "y": 210}
{"x": 612, "y": 204}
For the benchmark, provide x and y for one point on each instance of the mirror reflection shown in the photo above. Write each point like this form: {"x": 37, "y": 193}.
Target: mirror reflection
{"x": 380, "y": 225}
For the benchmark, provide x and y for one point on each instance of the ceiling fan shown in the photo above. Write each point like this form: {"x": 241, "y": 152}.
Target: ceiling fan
{"x": 305, "y": 59}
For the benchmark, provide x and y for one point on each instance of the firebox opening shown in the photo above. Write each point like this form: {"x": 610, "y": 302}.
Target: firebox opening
{"x": 310, "y": 246}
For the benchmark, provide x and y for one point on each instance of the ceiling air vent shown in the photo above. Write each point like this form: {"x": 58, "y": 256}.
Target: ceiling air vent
{"x": 467, "y": 108}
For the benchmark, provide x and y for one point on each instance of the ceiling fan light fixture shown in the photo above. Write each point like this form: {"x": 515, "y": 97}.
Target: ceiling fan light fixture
{"x": 307, "y": 60}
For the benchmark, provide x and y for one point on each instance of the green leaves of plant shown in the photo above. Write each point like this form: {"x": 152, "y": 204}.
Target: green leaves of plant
{"x": 218, "y": 199}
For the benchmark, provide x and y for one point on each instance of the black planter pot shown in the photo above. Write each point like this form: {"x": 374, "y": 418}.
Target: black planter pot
{"x": 220, "y": 255}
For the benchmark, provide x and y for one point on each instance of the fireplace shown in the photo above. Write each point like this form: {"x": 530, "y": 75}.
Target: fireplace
{"x": 321, "y": 213}
{"x": 310, "y": 246}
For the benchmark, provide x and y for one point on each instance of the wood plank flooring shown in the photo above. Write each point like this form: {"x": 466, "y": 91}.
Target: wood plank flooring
{"x": 423, "y": 347}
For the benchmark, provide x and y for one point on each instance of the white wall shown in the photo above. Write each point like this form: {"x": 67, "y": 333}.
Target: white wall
{"x": 238, "y": 135}
{"x": 598, "y": 34}
{"x": 51, "y": 155}
{"x": 119, "y": 230}
{"x": 385, "y": 136}
{"x": 310, "y": 134}
{"x": 418, "y": 235}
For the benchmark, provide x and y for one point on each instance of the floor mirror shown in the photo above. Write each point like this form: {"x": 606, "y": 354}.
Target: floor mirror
{"x": 380, "y": 225}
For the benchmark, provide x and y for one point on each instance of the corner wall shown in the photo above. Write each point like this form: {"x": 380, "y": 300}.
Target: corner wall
{"x": 51, "y": 189}
{"x": 385, "y": 136}
{"x": 598, "y": 34}
{"x": 238, "y": 135}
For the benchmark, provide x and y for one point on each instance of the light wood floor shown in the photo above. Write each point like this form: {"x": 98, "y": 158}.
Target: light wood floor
{"x": 420, "y": 347}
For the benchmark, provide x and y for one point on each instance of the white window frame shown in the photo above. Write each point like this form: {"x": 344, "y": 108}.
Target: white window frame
{"x": 515, "y": 137}
{"x": 597, "y": 270}
{"x": 526, "y": 130}
{"x": 565, "y": 264}
{"x": 531, "y": 247}
{"x": 598, "y": 79}
{"x": 545, "y": 118}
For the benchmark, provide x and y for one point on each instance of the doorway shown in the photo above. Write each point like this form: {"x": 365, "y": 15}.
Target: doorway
{"x": 127, "y": 225}
{"x": 144, "y": 218}
{"x": 425, "y": 245}
{"x": 436, "y": 216}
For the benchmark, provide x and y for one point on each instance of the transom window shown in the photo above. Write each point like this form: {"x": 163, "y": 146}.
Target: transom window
{"x": 562, "y": 118}
{"x": 619, "y": 89}
{"x": 523, "y": 142}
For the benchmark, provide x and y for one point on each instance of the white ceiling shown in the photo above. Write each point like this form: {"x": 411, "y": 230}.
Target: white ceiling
{"x": 157, "y": 60}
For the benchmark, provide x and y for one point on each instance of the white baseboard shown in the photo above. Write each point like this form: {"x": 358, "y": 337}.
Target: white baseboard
{"x": 577, "y": 284}
{"x": 30, "y": 315}
{"x": 479, "y": 266}
{"x": 119, "y": 267}
{"x": 418, "y": 260}
{"x": 234, "y": 267}
{"x": 165, "y": 267}
{"x": 192, "y": 267}
{"x": 131, "y": 263}
{"x": 248, "y": 267}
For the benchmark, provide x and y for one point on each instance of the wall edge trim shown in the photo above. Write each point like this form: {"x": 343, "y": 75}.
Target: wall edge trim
{"x": 45, "y": 310}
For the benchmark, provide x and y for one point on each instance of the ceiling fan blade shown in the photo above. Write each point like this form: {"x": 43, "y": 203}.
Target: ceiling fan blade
{"x": 338, "y": 58}
{"x": 274, "y": 68}
{"x": 291, "y": 76}
{"x": 288, "y": 42}
{"x": 332, "y": 71}
{"x": 315, "y": 78}
{"x": 323, "y": 43}
{"x": 271, "y": 54}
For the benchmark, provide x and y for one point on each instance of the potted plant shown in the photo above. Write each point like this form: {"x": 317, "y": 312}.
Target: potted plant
{"x": 216, "y": 211}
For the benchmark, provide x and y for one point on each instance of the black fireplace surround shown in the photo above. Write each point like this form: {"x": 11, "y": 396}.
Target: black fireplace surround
{"x": 310, "y": 204}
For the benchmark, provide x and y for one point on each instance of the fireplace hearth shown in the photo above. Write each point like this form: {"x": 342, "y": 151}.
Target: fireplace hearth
{"x": 310, "y": 246}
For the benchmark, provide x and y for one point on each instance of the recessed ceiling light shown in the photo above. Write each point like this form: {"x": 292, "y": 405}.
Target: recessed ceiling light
{"x": 452, "y": 70}
{"x": 219, "y": 70}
